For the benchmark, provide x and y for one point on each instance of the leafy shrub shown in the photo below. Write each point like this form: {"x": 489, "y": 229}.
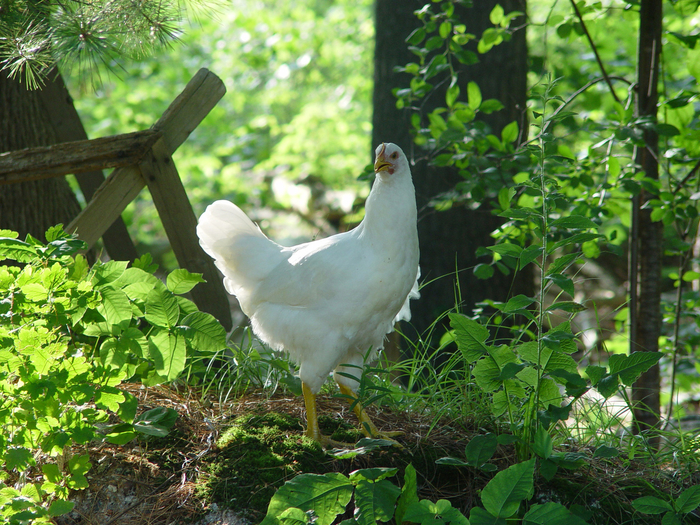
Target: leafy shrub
{"x": 69, "y": 336}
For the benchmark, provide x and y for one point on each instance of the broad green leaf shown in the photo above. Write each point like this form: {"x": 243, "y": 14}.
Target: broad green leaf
{"x": 509, "y": 133}
{"x": 79, "y": 466}
{"x": 562, "y": 282}
{"x": 162, "y": 308}
{"x": 478, "y": 516}
{"x": 294, "y": 516}
{"x": 181, "y": 281}
{"x": 204, "y": 332}
{"x": 156, "y": 422}
{"x": 471, "y": 336}
{"x": 506, "y": 249}
{"x": 574, "y": 221}
{"x": 437, "y": 513}
{"x": 567, "y": 306}
{"x": 604, "y": 451}
{"x": 17, "y": 250}
{"x": 542, "y": 444}
{"x": 60, "y": 507}
{"x": 551, "y": 513}
{"x": 530, "y": 254}
{"x": 689, "y": 500}
{"x": 375, "y": 501}
{"x": 502, "y": 495}
{"x": 452, "y": 95}
{"x": 409, "y": 493}
{"x": 115, "y": 306}
{"x": 373, "y": 474}
{"x": 108, "y": 397}
{"x": 480, "y": 449}
{"x": 517, "y": 303}
{"x": 483, "y": 271}
{"x": 108, "y": 272}
{"x": 474, "y": 95}
{"x": 629, "y": 368}
{"x": 487, "y": 373}
{"x": 168, "y": 352}
{"x": 19, "y": 458}
{"x": 496, "y": 15}
{"x": 651, "y": 505}
{"x": 595, "y": 373}
{"x": 577, "y": 238}
{"x": 327, "y": 495}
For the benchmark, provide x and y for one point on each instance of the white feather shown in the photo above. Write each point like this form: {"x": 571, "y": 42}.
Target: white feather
{"x": 328, "y": 301}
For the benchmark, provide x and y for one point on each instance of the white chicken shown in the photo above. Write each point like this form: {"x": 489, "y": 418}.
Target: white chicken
{"x": 326, "y": 302}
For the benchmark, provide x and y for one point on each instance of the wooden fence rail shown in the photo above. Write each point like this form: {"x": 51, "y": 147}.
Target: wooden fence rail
{"x": 143, "y": 158}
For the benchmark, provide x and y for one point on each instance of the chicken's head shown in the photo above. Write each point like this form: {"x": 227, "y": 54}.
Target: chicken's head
{"x": 389, "y": 158}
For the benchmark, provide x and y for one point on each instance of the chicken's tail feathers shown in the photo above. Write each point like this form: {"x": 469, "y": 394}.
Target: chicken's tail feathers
{"x": 240, "y": 249}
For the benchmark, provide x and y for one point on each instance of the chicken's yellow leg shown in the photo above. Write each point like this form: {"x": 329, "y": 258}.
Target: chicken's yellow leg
{"x": 366, "y": 423}
{"x": 312, "y": 430}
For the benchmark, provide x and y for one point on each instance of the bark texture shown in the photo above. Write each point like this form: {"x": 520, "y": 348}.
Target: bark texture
{"x": 646, "y": 328}
{"x": 34, "y": 206}
{"x": 448, "y": 239}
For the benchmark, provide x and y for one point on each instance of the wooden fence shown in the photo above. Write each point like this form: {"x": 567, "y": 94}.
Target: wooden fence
{"x": 139, "y": 159}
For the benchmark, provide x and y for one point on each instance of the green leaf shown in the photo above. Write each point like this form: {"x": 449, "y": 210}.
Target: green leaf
{"x": 445, "y": 29}
{"x": 375, "y": 501}
{"x": 651, "y": 505}
{"x": 575, "y": 222}
{"x": 373, "y": 474}
{"x": 115, "y": 307}
{"x": 496, "y": 15}
{"x": 409, "y": 493}
{"x": 108, "y": 272}
{"x": 470, "y": 335}
{"x": 529, "y": 254}
{"x": 689, "y": 500}
{"x": 478, "y": 516}
{"x": 18, "y": 458}
{"x": 474, "y": 95}
{"x": 204, "y": 332}
{"x": 60, "y": 507}
{"x": 551, "y": 513}
{"x": 595, "y": 373}
{"x": 181, "y": 281}
{"x": 509, "y": 133}
{"x": 562, "y": 281}
{"x": 567, "y": 306}
{"x": 487, "y": 374}
{"x": 416, "y": 37}
{"x": 156, "y": 422}
{"x": 604, "y": 451}
{"x": 79, "y": 466}
{"x": 162, "y": 308}
{"x": 629, "y": 368}
{"x": 517, "y": 303}
{"x": 480, "y": 449}
{"x": 506, "y": 249}
{"x": 483, "y": 271}
{"x": 108, "y": 397}
{"x": 452, "y": 95}
{"x": 502, "y": 495}
{"x": 168, "y": 352}
{"x": 17, "y": 250}
{"x": 294, "y": 516}
{"x": 438, "y": 513}
{"x": 542, "y": 444}
{"x": 327, "y": 495}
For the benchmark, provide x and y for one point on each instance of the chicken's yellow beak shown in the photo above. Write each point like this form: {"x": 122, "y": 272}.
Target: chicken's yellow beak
{"x": 380, "y": 164}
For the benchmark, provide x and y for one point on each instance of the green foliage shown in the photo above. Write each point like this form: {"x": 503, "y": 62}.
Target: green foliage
{"x": 70, "y": 335}
{"x": 292, "y": 132}
{"x": 673, "y": 512}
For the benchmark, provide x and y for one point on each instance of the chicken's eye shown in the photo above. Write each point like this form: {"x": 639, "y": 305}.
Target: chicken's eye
{"x": 394, "y": 156}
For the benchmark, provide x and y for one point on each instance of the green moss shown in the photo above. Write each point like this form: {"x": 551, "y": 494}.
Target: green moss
{"x": 257, "y": 454}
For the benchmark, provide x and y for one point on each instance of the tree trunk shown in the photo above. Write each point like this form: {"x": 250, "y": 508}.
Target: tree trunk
{"x": 448, "y": 239}
{"x": 646, "y": 325}
{"x": 30, "y": 207}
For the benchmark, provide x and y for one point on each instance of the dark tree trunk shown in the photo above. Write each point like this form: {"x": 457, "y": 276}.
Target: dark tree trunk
{"x": 646, "y": 325}
{"x": 30, "y": 207}
{"x": 448, "y": 239}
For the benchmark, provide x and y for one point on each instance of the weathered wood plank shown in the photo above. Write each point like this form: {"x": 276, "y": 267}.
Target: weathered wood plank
{"x": 75, "y": 157}
{"x": 188, "y": 110}
{"x": 180, "y": 225}
{"x": 108, "y": 203}
{"x": 182, "y": 116}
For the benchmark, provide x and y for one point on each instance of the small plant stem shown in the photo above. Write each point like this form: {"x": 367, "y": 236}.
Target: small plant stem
{"x": 595, "y": 51}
